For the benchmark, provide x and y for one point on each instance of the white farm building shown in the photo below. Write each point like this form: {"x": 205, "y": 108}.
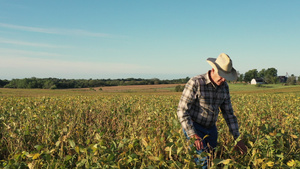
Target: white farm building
{"x": 257, "y": 81}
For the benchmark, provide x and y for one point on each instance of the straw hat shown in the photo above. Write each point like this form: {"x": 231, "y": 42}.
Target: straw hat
{"x": 223, "y": 66}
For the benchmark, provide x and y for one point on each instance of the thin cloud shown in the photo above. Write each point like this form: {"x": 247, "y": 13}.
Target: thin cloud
{"x": 23, "y": 43}
{"x": 77, "y": 32}
{"x": 20, "y": 53}
{"x": 29, "y": 29}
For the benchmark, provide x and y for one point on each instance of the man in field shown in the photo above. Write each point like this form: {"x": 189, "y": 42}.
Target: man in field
{"x": 202, "y": 99}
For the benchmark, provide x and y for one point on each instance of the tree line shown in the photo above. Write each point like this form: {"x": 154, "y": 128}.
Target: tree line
{"x": 268, "y": 75}
{"x": 55, "y": 83}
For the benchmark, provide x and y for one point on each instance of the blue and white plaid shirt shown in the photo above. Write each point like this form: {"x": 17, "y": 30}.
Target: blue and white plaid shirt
{"x": 201, "y": 102}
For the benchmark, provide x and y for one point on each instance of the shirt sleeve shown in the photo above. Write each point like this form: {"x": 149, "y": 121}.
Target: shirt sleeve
{"x": 229, "y": 116}
{"x": 184, "y": 107}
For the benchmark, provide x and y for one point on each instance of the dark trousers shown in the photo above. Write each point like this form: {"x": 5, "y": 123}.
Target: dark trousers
{"x": 209, "y": 142}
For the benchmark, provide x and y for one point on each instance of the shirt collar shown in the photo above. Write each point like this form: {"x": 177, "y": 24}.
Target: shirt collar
{"x": 208, "y": 80}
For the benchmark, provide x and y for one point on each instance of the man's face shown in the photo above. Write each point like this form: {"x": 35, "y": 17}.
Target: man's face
{"x": 216, "y": 78}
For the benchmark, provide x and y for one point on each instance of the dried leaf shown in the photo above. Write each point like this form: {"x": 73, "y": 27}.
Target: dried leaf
{"x": 227, "y": 161}
{"x": 37, "y": 155}
{"x": 294, "y": 136}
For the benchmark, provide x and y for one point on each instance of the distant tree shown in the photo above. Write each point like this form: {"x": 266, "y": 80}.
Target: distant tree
{"x": 54, "y": 83}
{"x": 14, "y": 83}
{"x": 3, "y": 83}
{"x": 271, "y": 72}
{"x": 179, "y": 88}
{"x": 271, "y": 75}
{"x": 261, "y": 73}
{"x": 34, "y": 83}
{"x": 155, "y": 81}
{"x": 241, "y": 78}
{"x": 272, "y": 80}
{"x": 23, "y": 83}
{"x": 185, "y": 80}
{"x": 53, "y": 87}
{"x": 92, "y": 83}
{"x": 48, "y": 84}
{"x": 250, "y": 75}
{"x": 291, "y": 80}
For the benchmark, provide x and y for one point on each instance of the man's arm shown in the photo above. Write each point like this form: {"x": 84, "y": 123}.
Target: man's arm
{"x": 230, "y": 118}
{"x": 232, "y": 123}
{"x": 187, "y": 98}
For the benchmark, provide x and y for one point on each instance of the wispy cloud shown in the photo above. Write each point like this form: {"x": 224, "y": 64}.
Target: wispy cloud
{"x": 30, "y": 29}
{"x": 23, "y": 43}
{"x": 77, "y": 32}
{"x": 9, "y": 53}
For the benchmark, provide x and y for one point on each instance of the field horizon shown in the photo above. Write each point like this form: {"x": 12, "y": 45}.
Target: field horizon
{"x": 235, "y": 88}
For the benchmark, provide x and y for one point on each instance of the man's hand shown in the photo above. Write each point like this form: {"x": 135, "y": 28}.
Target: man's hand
{"x": 241, "y": 147}
{"x": 198, "y": 142}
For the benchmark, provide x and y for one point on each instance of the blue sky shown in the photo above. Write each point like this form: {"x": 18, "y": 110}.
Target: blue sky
{"x": 145, "y": 39}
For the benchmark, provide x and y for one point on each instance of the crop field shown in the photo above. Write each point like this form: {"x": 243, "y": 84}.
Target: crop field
{"x": 90, "y": 128}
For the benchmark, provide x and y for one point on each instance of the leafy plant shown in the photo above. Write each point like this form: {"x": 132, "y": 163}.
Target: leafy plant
{"x": 135, "y": 130}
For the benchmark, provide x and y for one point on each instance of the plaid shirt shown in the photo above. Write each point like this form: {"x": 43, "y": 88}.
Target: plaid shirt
{"x": 200, "y": 102}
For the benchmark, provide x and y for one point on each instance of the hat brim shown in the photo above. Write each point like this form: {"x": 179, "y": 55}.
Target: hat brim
{"x": 231, "y": 76}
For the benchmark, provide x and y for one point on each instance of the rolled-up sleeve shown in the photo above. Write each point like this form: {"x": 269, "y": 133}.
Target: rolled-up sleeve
{"x": 184, "y": 106}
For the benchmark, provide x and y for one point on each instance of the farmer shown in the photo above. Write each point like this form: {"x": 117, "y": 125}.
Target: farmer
{"x": 200, "y": 102}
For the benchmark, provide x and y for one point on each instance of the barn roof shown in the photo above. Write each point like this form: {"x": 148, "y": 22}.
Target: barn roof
{"x": 258, "y": 79}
